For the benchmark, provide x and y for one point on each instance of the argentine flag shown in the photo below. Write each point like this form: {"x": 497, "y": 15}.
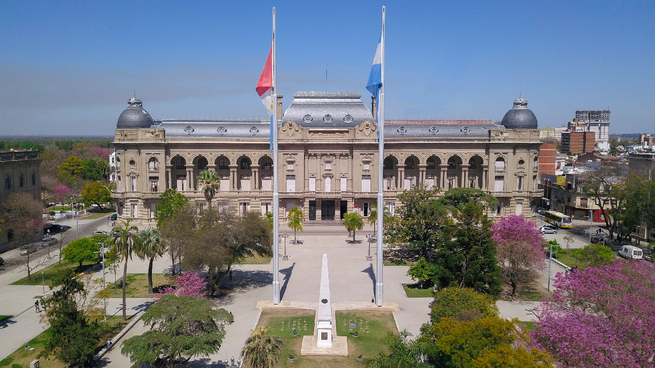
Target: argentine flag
{"x": 375, "y": 78}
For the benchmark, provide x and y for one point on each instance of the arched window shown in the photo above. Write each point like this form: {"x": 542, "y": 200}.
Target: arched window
{"x": 245, "y": 163}
{"x": 202, "y": 163}
{"x": 33, "y": 179}
{"x": 223, "y": 163}
{"x": 21, "y": 180}
{"x": 153, "y": 164}
{"x": 7, "y": 182}
{"x": 500, "y": 164}
{"x": 180, "y": 163}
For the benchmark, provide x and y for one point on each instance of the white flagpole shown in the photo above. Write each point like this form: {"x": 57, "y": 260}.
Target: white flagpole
{"x": 379, "y": 284}
{"x": 276, "y": 196}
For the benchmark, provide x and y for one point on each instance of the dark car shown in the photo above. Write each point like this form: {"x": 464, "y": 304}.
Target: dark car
{"x": 54, "y": 229}
{"x": 113, "y": 217}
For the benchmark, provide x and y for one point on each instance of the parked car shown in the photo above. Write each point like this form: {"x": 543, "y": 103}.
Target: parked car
{"x": 101, "y": 232}
{"x": 648, "y": 257}
{"x": 113, "y": 217}
{"x": 548, "y": 229}
{"x": 48, "y": 240}
{"x": 631, "y": 252}
{"x": 54, "y": 229}
{"x": 27, "y": 250}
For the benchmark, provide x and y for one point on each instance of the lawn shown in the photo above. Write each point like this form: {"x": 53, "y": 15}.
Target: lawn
{"x": 373, "y": 327}
{"x": 137, "y": 285}
{"x": 413, "y": 291}
{"x": 257, "y": 260}
{"x": 533, "y": 292}
{"x": 50, "y": 272}
{"x": 569, "y": 258}
{"x": 22, "y": 357}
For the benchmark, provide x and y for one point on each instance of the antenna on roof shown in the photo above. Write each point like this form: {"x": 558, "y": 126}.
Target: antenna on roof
{"x": 521, "y": 91}
{"x": 326, "y": 69}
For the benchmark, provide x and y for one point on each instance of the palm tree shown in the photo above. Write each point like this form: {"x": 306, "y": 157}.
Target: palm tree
{"x": 353, "y": 221}
{"x": 150, "y": 246}
{"x": 373, "y": 217}
{"x": 210, "y": 184}
{"x": 295, "y": 221}
{"x": 125, "y": 237}
{"x": 262, "y": 349}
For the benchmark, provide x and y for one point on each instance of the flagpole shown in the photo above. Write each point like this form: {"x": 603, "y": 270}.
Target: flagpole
{"x": 276, "y": 195}
{"x": 379, "y": 284}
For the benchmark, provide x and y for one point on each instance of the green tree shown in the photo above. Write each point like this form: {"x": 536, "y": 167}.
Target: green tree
{"x": 294, "y": 221}
{"x": 71, "y": 167}
{"x": 353, "y": 222}
{"x": 123, "y": 243}
{"x": 605, "y": 187}
{"x": 170, "y": 203}
{"x": 210, "y": 184}
{"x": 262, "y": 350}
{"x": 179, "y": 233}
{"x": 72, "y": 339}
{"x": 373, "y": 218}
{"x": 462, "y": 305}
{"x": 95, "y": 192}
{"x": 424, "y": 272}
{"x": 94, "y": 169}
{"x": 23, "y": 223}
{"x": 80, "y": 250}
{"x": 484, "y": 342}
{"x": 181, "y": 327}
{"x": 402, "y": 354}
{"x": 595, "y": 255}
{"x": 150, "y": 246}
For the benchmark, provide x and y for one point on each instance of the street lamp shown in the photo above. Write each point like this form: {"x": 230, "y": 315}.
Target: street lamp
{"x": 285, "y": 236}
{"x": 370, "y": 239}
{"x": 104, "y": 282}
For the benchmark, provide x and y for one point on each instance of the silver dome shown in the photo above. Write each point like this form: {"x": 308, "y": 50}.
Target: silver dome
{"x": 134, "y": 117}
{"x": 520, "y": 117}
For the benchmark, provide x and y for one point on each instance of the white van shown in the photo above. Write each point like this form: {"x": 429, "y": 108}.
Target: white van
{"x": 631, "y": 252}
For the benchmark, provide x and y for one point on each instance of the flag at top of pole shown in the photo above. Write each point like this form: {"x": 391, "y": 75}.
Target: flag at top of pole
{"x": 375, "y": 78}
{"x": 265, "y": 85}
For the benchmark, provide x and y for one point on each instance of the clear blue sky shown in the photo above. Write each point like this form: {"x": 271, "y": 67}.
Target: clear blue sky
{"x": 68, "y": 67}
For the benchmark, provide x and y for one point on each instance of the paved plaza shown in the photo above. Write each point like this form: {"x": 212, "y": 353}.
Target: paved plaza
{"x": 352, "y": 280}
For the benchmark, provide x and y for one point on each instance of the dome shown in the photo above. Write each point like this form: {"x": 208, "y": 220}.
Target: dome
{"x": 134, "y": 117}
{"x": 520, "y": 117}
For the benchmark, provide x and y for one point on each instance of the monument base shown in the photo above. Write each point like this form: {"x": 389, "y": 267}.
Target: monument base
{"x": 339, "y": 346}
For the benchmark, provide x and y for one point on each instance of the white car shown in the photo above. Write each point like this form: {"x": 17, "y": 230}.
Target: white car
{"x": 548, "y": 229}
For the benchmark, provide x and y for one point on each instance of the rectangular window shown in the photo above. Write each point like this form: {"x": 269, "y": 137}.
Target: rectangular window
{"x": 266, "y": 207}
{"x": 291, "y": 184}
{"x": 328, "y": 165}
{"x": 225, "y": 184}
{"x": 33, "y": 179}
{"x": 154, "y": 185}
{"x": 312, "y": 184}
{"x": 367, "y": 166}
{"x": 244, "y": 207}
{"x": 290, "y": 166}
{"x": 498, "y": 184}
{"x": 344, "y": 184}
{"x": 134, "y": 210}
{"x": 519, "y": 208}
{"x": 391, "y": 206}
{"x": 328, "y": 184}
{"x": 500, "y": 165}
{"x": 133, "y": 183}
{"x": 366, "y": 209}
{"x": 366, "y": 184}
{"x": 520, "y": 183}
{"x": 153, "y": 207}
{"x": 181, "y": 183}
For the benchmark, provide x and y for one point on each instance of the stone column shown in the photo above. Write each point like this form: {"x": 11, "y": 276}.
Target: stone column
{"x": 401, "y": 177}
{"x": 443, "y": 172}
{"x": 233, "y": 177}
{"x": 169, "y": 175}
{"x": 465, "y": 176}
{"x": 485, "y": 179}
{"x": 421, "y": 174}
{"x": 255, "y": 178}
{"x": 189, "y": 178}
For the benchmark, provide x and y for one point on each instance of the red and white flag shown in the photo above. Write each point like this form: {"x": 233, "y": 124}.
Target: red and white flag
{"x": 265, "y": 85}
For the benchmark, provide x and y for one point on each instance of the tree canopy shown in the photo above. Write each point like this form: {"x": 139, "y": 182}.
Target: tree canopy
{"x": 170, "y": 203}
{"x": 294, "y": 221}
{"x": 353, "y": 222}
{"x": 462, "y": 305}
{"x": 210, "y": 183}
{"x": 95, "y": 192}
{"x": 181, "y": 327}
{"x": 80, "y": 250}
{"x": 601, "y": 316}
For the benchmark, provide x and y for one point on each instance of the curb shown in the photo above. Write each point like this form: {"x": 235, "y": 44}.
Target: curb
{"x": 117, "y": 338}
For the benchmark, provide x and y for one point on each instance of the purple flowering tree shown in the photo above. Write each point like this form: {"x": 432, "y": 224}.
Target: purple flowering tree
{"x": 601, "y": 317}
{"x": 61, "y": 193}
{"x": 189, "y": 283}
{"x": 519, "y": 251}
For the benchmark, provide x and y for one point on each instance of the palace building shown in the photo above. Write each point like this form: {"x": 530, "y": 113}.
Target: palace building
{"x": 328, "y": 159}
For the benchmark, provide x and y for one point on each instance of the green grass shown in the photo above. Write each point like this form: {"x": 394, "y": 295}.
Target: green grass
{"x": 257, "y": 260}
{"x": 3, "y": 318}
{"x": 387, "y": 262}
{"x": 50, "y": 272}
{"x": 22, "y": 357}
{"x": 569, "y": 258}
{"x": 413, "y": 291}
{"x": 137, "y": 285}
{"x": 373, "y": 329}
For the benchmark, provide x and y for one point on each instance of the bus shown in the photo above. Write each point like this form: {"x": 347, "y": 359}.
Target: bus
{"x": 558, "y": 218}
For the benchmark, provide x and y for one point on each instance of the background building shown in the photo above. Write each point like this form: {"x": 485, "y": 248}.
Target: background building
{"x": 597, "y": 121}
{"x": 327, "y": 159}
{"x": 578, "y": 142}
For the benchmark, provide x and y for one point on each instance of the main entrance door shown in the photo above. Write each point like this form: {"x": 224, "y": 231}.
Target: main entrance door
{"x": 312, "y": 210}
{"x": 327, "y": 210}
{"x": 343, "y": 208}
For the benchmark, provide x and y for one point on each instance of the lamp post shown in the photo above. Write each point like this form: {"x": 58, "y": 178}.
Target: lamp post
{"x": 104, "y": 282}
{"x": 370, "y": 239}
{"x": 591, "y": 222}
{"x": 43, "y": 282}
{"x": 285, "y": 236}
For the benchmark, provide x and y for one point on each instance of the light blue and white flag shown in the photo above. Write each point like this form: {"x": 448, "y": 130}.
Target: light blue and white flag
{"x": 375, "y": 78}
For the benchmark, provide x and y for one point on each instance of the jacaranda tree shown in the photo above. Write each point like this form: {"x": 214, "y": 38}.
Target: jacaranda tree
{"x": 519, "y": 251}
{"x": 601, "y": 317}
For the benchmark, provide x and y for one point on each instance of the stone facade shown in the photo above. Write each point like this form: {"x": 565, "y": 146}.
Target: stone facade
{"x": 328, "y": 160}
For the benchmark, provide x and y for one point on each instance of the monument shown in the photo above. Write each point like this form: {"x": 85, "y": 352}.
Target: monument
{"x": 324, "y": 341}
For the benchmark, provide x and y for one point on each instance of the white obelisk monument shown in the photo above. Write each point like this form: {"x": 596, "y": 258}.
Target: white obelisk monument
{"x": 324, "y": 323}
